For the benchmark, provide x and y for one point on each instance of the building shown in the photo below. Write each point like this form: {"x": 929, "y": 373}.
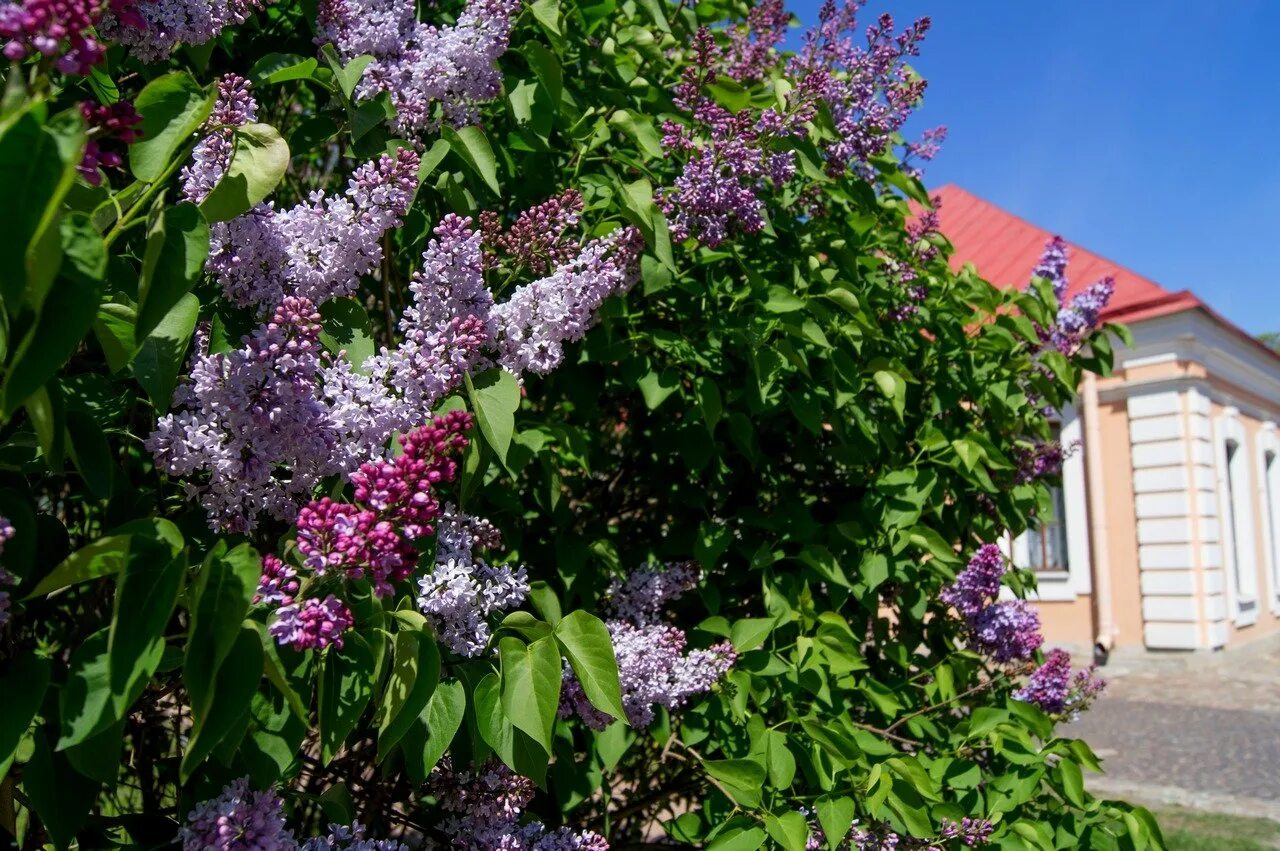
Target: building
{"x": 1168, "y": 530}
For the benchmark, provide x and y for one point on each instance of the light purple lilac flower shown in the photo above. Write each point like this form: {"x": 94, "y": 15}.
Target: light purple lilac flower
{"x": 351, "y": 837}
{"x": 880, "y": 836}
{"x": 534, "y": 324}
{"x": 1053, "y": 688}
{"x": 239, "y": 819}
{"x": 1007, "y": 630}
{"x": 433, "y": 74}
{"x": 312, "y": 624}
{"x": 160, "y": 26}
{"x": 652, "y": 665}
{"x": 235, "y": 107}
{"x": 485, "y": 806}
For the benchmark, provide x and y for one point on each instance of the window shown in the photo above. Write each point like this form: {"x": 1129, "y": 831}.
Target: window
{"x": 1047, "y": 542}
{"x": 1270, "y": 470}
{"x": 1236, "y": 513}
{"x": 1233, "y": 513}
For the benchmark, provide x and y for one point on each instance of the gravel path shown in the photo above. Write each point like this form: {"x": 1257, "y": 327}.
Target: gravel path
{"x": 1205, "y": 734}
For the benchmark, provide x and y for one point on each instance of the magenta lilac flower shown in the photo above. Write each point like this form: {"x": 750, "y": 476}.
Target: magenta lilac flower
{"x": 1007, "y": 630}
{"x": 235, "y": 107}
{"x": 239, "y": 819}
{"x": 433, "y": 74}
{"x": 538, "y": 238}
{"x": 158, "y": 27}
{"x": 312, "y": 624}
{"x": 485, "y": 806}
{"x": 60, "y": 30}
{"x": 109, "y": 126}
{"x": 6, "y": 578}
{"x": 1055, "y": 690}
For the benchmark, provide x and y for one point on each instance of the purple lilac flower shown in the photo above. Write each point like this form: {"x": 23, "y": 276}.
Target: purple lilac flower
{"x": 868, "y": 90}
{"x": 235, "y": 107}
{"x": 730, "y": 161}
{"x": 158, "y": 27}
{"x": 113, "y": 124}
{"x": 6, "y": 578}
{"x": 319, "y": 248}
{"x": 1043, "y": 459}
{"x": 752, "y": 50}
{"x": 485, "y": 806}
{"x": 1081, "y": 316}
{"x": 540, "y": 317}
{"x": 59, "y": 28}
{"x": 1052, "y": 266}
{"x": 278, "y": 583}
{"x": 1053, "y": 688}
{"x": 879, "y": 836}
{"x": 246, "y": 413}
{"x": 923, "y": 149}
{"x": 433, "y": 74}
{"x": 351, "y": 837}
{"x": 239, "y": 819}
{"x": 978, "y": 583}
{"x": 640, "y": 598}
{"x": 312, "y": 624}
{"x": 1007, "y": 630}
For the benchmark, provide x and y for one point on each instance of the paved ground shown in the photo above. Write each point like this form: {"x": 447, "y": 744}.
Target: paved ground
{"x": 1201, "y": 732}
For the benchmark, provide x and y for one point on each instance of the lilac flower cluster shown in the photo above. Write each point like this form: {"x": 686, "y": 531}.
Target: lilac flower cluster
{"x": 923, "y": 149}
{"x": 463, "y": 590}
{"x": 312, "y": 624}
{"x": 1052, "y": 266}
{"x": 1005, "y": 630}
{"x": 729, "y": 158}
{"x": 652, "y": 664}
{"x": 114, "y": 123}
{"x": 752, "y": 51}
{"x": 920, "y": 233}
{"x": 485, "y": 806}
{"x": 6, "y": 578}
{"x": 1082, "y": 314}
{"x": 240, "y": 819}
{"x": 879, "y": 836}
{"x": 1053, "y": 688}
{"x": 537, "y": 239}
{"x": 540, "y": 317}
{"x": 235, "y": 107}
{"x": 1036, "y": 462}
{"x": 158, "y": 27}
{"x": 247, "y": 412}
{"x": 60, "y": 28}
{"x": 394, "y": 505}
{"x": 868, "y": 91}
{"x": 277, "y": 584}
{"x": 433, "y": 74}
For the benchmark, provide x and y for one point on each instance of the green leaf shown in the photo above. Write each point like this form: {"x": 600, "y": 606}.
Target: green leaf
{"x": 547, "y": 68}
{"x": 37, "y": 167}
{"x": 24, "y": 686}
{"x": 66, "y": 316}
{"x": 836, "y": 817}
{"x": 790, "y": 830}
{"x": 531, "y": 676}
{"x": 172, "y": 108}
{"x": 282, "y": 67}
{"x": 259, "y": 158}
{"x": 547, "y": 13}
{"x": 177, "y": 247}
{"x": 894, "y": 388}
{"x": 656, "y": 387}
{"x": 145, "y": 597}
{"x": 346, "y": 685}
{"x": 495, "y": 396}
{"x": 233, "y": 691}
{"x": 161, "y": 354}
{"x": 585, "y": 642}
{"x": 106, "y": 555}
{"x": 779, "y": 760}
{"x": 58, "y": 794}
{"x": 783, "y": 300}
{"x": 346, "y": 76}
{"x": 347, "y": 329}
{"x": 443, "y": 719}
{"x": 47, "y": 412}
{"x": 91, "y": 453}
{"x": 519, "y": 751}
{"x": 640, "y": 128}
{"x": 219, "y": 601}
{"x": 414, "y": 677}
{"x": 85, "y": 704}
{"x": 738, "y": 839}
{"x": 1072, "y": 782}
{"x": 750, "y": 633}
{"x": 638, "y": 206}
{"x": 472, "y": 146}
{"x": 742, "y": 778}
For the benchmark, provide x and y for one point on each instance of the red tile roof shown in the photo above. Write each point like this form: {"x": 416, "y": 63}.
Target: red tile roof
{"x": 1005, "y": 248}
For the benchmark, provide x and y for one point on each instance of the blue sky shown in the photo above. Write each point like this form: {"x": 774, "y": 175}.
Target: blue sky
{"x": 1145, "y": 130}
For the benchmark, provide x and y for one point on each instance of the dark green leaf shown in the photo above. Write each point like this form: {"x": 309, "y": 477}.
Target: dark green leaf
{"x": 172, "y": 108}
{"x": 177, "y": 246}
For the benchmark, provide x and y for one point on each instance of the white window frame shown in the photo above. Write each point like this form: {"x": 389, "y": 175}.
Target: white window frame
{"x": 1269, "y": 500}
{"x": 1235, "y": 513}
{"x": 1076, "y": 579}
